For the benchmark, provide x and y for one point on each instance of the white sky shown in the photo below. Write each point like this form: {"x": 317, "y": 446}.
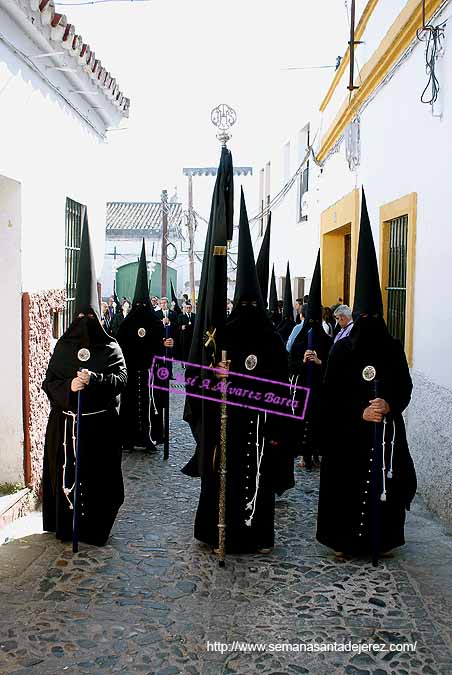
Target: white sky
{"x": 177, "y": 59}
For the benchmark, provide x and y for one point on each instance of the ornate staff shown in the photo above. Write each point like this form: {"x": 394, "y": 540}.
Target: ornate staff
{"x": 310, "y": 365}
{"x": 166, "y": 408}
{"x": 222, "y": 493}
{"x": 223, "y": 117}
{"x": 369, "y": 375}
{"x": 75, "y": 515}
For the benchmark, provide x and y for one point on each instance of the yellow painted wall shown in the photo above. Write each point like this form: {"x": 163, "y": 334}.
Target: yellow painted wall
{"x": 340, "y": 219}
{"x": 395, "y": 43}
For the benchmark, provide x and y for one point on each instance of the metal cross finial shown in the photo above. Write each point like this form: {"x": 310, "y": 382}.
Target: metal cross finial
{"x": 223, "y": 117}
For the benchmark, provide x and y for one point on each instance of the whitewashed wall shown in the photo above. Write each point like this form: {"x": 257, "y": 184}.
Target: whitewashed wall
{"x": 384, "y": 14}
{"x": 11, "y": 433}
{"x": 53, "y": 154}
{"x": 47, "y": 153}
{"x": 406, "y": 149}
{"x": 296, "y": 242}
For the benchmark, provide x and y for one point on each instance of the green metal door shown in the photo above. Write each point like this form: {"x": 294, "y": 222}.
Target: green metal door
{"x": 126, "y": 277}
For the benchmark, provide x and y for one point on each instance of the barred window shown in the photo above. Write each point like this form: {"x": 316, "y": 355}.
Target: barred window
{"x": 74, "y": 212}
{"x": 397, "y": 269}
{"x": 303, "y": 179}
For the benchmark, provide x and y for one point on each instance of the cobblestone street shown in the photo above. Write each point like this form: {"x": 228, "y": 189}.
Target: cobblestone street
{"x": 150, "y": 600}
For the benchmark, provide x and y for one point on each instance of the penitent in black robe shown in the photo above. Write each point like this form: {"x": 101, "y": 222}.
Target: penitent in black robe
{"x": 102, "y": 491}
{"x": 186, "y": 326}
{"x": 141, "y": 337}
{"x": 245, "y": 430}
{"x": 307, "y": 433}
{"x": 345, "y": 502}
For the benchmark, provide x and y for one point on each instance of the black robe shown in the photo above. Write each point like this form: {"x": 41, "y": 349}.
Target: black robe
{"x": 308, "y": 432}
{"x": 286, "y": 327}
{"x": 345, "y": 502}
{"x": 116, "y": 321}
{"x": 102, "y": 491}
{"x": 244, "y": 428}
{"x": 141, "y": 405}
{"x": 185, "y": 335}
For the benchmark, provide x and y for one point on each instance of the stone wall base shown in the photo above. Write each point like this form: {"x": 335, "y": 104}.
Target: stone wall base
{"x": 429, "y": 432}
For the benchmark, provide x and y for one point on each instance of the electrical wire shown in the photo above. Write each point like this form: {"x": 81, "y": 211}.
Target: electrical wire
{"x": 433, "y": 36}
{"x": 282, "y": 194}
{"x": 279, "y": 198}
{"x": 309, "y": 67}
{"x": 95, "y": 2}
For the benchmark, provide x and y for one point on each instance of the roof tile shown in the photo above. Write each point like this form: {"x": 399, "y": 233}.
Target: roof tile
{"x": 142, "y": 216}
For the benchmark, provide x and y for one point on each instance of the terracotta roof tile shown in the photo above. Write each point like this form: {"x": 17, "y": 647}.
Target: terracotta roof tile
{"x": 142, "y": 216}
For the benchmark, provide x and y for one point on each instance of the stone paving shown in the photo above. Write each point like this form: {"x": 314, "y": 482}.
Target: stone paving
{"x": 150, "y": 600}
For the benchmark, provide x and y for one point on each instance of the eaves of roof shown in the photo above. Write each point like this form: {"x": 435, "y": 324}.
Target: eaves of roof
{"x": 65, "y": 37}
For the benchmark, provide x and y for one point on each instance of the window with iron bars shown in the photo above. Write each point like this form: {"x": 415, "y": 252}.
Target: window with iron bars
{"x": 73, "y": 234}
{"x": 303, "y": 187}
{"x": 397, "y": 268}
{"x": 303, "y": 179}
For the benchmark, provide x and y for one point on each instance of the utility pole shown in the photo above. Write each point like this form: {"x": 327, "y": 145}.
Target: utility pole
{"x": 191, "y": 243}
{"x": 351, "y": 86}
{"x": 201, "y": 171}
{"x": 164, "y": 262}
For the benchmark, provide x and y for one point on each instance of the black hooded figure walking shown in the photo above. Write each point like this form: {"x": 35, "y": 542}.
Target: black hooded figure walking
{"x": 307, "y": 364}
{"x": 273, "y": 310}
{"x": 288, "y": 320}
{"x": 258, "y": 464}
{"x": 84, "y": 345}
{"x": 142, "y": 336}
{"x": 186, "y": 321}
{"x": 263, "y": 261}
{"x": 202, "y": 415}
{"x": 362, "y": 506}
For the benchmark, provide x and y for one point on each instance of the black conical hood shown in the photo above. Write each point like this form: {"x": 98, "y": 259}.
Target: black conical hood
{"x": 247, "y": 285}
{"x": 263, "y": 261}
{"x": 273, "y": 297}
{"x": 177, "y": 309}
{"x": 314, "y": 311}
{"x": 367, "y": 299}
{"x": 288, "y": 302}
{"x": 208, "y": 333}
{"x": 141, "y": 287}
{"x": 86, "y": 295}
{"x": 212, "y": 297}
{"x": 315, "y": 294}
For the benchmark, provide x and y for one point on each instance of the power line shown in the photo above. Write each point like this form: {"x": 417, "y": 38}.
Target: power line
{"x": 95, "y": 2}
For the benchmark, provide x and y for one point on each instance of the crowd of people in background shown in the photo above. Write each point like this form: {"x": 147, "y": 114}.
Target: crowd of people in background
{"x": 337, "y": 320}
{"x": 177, "y": 317}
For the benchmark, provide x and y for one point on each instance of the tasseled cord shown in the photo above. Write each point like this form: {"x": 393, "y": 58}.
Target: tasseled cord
{"x": 67, "y": 491}
{"x": 383, "y": 462}
{"x": 151, "y": 402}
{"x": 259, "y": 454}
{"x": 390, "y": 472}
{"x": 294, "y": 385}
